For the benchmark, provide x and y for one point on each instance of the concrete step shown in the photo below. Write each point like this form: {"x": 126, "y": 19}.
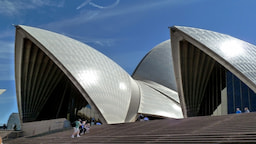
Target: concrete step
{"x": 234, "y": 128}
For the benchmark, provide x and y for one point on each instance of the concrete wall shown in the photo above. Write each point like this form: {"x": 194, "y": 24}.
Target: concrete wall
{"x": 39, "y": 127}
{"x": 222, "y": 109}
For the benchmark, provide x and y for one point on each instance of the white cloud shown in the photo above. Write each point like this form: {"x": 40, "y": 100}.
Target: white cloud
{"x": 60, "y": 3}
{"x": 13, "y": 7}
{"x": 6, "y": 49}
{"x": 125, "y": 60}
{"x": 6, "y": 46}
{"x": 7, "y": 99}
{"x": 93, "y": 15}
{"x": 6, "y": 72}
{"x": 79, "y": 19}
{"x": 108, "y": 42}
{"x": 7, "y": 34}
{"x": 103, "y": 42}
{"x": 7, "y": 60}
{"x": 95, "y": 41}
{"x": 87, "y": 17}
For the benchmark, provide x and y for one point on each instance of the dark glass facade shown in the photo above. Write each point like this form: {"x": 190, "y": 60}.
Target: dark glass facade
{"x": 203, "y": 79}
{"x": 239, "y": 94}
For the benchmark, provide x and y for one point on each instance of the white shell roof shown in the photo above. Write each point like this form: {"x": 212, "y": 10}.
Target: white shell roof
{"x": 156, "y": 103}
{"x": 157, "y": 66}
{"x": 236, "y": 55}
{"x": 164, "y": 90}
{"x": 106, "y": 83}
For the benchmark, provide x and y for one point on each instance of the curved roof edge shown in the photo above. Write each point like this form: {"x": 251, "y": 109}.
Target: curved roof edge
{"x": 155, "y": 102}
{"x": 235, "y": 55}
{"x": 219, "y": 46}
{"x": 77, "y": 60}
{"x": 157, "y": 66}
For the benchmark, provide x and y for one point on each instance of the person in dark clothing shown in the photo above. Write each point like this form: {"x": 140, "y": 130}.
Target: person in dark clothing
{"x": 4, "y": 127}
{"x": 82, "y": 129}
{"x": 14, "y": 127}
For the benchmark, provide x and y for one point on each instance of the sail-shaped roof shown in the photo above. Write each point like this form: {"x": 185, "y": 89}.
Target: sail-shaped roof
{"x": 103, "y": 83}
{"x": 236, "y": 55}
{"x": 49, "y": 64}
{"x": 198, "y": 53}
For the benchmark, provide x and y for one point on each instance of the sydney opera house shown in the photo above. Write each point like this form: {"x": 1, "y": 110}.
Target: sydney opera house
{"x": 195, "y": 73}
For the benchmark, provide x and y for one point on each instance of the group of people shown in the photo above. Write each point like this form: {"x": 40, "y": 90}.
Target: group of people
{"x": 142, "y": 118}
{"x": 246, "y": 110}
{"x": 80, "y": 128}
{"x": 14, "y": 127}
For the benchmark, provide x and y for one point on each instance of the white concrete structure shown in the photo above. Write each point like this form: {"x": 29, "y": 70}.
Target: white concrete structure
{"x": 56, "y": 76}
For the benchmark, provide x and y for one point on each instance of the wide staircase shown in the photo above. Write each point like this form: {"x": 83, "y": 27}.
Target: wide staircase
{"x": 9, "y": 134}
{"x": 233, "y": 128}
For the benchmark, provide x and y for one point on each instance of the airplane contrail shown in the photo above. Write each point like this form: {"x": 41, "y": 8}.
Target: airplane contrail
{"x": 83, "y": 4}
{"x": 96, "y": 5}
{"x": 104, "y": 7}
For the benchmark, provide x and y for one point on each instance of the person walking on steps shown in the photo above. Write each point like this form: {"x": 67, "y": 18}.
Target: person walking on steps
{"x": 76, "y": 128}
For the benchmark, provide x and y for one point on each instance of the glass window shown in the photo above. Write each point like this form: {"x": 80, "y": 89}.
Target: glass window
{"x": 252, "y": 100}
{"x": 236, "y": 87}
{"x": 230, "y": 93}
{"x": 245, "y": 95}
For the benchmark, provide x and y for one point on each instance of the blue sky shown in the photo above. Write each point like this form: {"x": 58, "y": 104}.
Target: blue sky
{"x": 123, "y": 30}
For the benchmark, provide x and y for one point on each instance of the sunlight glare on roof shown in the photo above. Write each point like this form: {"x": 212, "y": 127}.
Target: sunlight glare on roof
{"x": 231, "y": 48}
{"x": 89, "y": 76}
{"x": 122, "y": 86}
